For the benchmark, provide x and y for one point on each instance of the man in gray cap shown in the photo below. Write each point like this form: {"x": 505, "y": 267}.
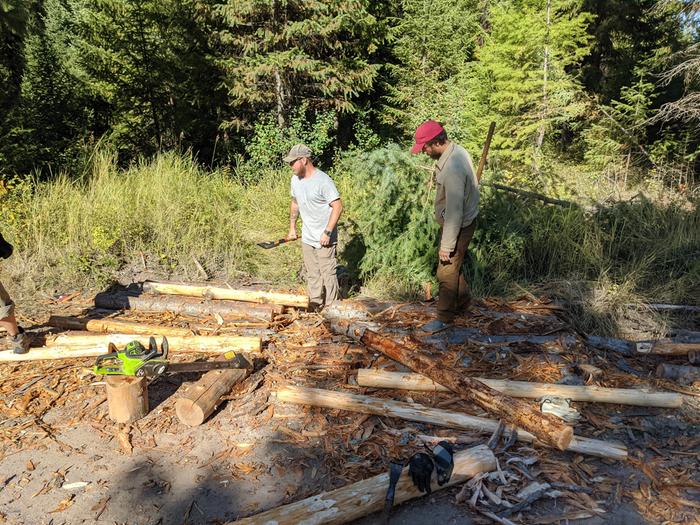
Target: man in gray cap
{"x": 316, "y": 198}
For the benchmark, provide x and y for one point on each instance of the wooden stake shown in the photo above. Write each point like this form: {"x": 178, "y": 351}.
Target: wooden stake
{"x": 546, "y": 427}
{"x": 485, "y": 151}
{"x": 201, "y": 398}
{"x": 209, "y": 292}
{"x": 434, "y": 416}
{"x": 115, "y": 325}
{"x": 365, "y": 497}
{"x": 127, "y": 398}
{"x": 373, "y": 377}
{"x": 188, "y": 306}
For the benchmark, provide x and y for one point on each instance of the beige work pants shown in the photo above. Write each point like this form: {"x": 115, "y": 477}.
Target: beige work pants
{"x": 321, "y": 265}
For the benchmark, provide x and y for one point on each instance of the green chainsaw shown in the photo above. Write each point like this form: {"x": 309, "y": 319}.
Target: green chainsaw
{"x": 138, "y": 361}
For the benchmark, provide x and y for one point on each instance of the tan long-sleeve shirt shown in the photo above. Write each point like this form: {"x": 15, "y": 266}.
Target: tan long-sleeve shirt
{"x": 457, "y": 197}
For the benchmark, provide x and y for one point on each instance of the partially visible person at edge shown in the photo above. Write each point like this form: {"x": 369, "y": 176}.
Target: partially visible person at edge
{"x": 316, "y": 198}
{"x": 17, "y": 338}
{"x": 456, "y": 209}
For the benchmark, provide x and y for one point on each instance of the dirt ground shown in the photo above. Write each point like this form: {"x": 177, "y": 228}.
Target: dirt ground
{"x": 62, "y": 461}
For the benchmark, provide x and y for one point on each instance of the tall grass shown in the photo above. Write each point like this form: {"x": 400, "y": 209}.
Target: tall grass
{"x": 174, "y": 216}
{"x": 167, "y": 212}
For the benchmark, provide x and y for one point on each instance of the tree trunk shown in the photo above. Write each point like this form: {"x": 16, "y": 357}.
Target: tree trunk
{"x": 372, "y": 377}
{"x": 209, "y": 292}
{"x": 433, "y": 416}
{"x": 187, "y": 306}
{"x": 201, "y": 398}
{"x": 546, "y": 427}
{"x": 115, "y": 325}
{"x": 365, "y": 497}
{"x": 127, "y": 398}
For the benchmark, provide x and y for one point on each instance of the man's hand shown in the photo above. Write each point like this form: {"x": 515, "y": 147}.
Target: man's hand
{"x": 325, "y": 240}
{"x": 444, "y": 255}
{"x": 292, "y": 235}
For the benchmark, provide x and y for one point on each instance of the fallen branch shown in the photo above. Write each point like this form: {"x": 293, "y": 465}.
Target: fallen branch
{"x": 546, "y": 427}
{"x": 365, "y": 497}
{"x": 373, "y": 377}
{"x": 434, "y": 416}
{"x": 210, "y": 292}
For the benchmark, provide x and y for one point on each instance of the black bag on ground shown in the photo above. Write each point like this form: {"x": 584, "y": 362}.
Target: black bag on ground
{"x": 5, "y": 248}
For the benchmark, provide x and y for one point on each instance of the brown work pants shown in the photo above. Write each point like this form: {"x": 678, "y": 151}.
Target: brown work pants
{"x": 321, "y": 272}
{"x": 454, "y": 294}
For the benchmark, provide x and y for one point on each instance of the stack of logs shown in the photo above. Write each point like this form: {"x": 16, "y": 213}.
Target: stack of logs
{"x": 128, "y": 396}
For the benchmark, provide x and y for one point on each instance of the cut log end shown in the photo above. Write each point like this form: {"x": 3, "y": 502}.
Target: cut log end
{"x": 564, "y": 438}
{"x": 189, "y": 413}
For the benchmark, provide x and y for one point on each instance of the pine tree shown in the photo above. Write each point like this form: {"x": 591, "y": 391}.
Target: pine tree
{"x": 278, "y": 54}
{"x": 147, "y": 59}
{"x": 526, "y": 71}
{"x": 434, "y": 46}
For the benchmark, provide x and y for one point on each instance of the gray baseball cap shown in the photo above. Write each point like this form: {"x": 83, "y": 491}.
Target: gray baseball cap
{"x": 297, "y": 152}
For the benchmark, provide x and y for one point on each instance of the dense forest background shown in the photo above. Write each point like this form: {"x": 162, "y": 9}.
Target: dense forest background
{"x": 154, "y": 130}
{"x": 610, "y": 84}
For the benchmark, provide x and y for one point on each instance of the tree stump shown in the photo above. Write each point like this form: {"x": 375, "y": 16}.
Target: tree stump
{"x": 127, "y": 398}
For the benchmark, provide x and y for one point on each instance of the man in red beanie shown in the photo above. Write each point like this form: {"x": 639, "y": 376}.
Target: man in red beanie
{"x": 456, "y": 209}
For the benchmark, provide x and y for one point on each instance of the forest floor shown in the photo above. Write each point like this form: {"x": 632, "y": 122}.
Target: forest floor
{"x": 62, "y": 461}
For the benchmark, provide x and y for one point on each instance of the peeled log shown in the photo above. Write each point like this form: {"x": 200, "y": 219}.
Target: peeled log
{"x": 434, "y": 416}
{"x": 367, "y": 496}
{"x": 176, "y": 343}
{"x": 210, "y": 292}
{"x": 548, "y": 428}
{"x": 115, "y": 325}
{"x": 593, "y": 394}
{"x": 73, "y": 351}
{"x": 201, "y": 398}
{"x": 127, "y": 398}
{"x": 187, "y": 306}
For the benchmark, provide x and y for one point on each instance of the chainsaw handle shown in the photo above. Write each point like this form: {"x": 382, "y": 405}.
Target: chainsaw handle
{"x": 106, "y": 357}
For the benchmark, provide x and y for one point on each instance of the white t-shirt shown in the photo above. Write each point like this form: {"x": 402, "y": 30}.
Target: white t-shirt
{"x": 314, "y": 195}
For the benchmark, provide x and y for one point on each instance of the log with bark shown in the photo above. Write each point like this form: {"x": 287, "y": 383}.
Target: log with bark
{"x": 373, "y": 377}
{"x": 359, "y": 499}
{"x": 546, "y": 427}
{"x": 188, "y": 306}
{"x": 681, "y": 345}
{"x": 115, "y": 325}
{"x": 434, "y": 416}
{"x": 177, "y": 343}
{"x": 212, "y": 292}
{"x": 201, "y": 398}
{"x": 680, "y": 373}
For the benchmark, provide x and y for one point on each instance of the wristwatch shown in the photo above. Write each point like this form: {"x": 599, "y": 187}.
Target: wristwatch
{"x": 328, "y": 232}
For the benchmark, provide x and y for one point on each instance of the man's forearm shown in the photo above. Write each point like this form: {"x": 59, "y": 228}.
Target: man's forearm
{"x": 335, "y": 215}
{"x": 293, "y": 215}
